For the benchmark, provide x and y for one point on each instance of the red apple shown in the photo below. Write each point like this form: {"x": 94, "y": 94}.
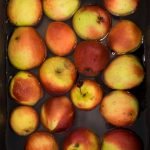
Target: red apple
{"x": 25, "y": 88}
{"x": 82, "y": 139}
{"x": 121, "y": 139}
{"x": 60, "y": 38}
{"x": 57, "y": 114}
{"x": 91, "y": 22}
{"x": 120, "y": 108}
{"x": 24, "y": 120}
{"x": 57, "y": 75}
{"x": 86, "y": 94}
{"x": 41, "y": 141}
{"x": 26, "y": 50}
{"x": 125, "y": 37}
{"x": 91, "y": 57}
{"x": 121, "y": 7}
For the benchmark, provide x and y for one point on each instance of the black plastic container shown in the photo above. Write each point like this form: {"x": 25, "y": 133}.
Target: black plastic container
{"x": 90, "y": 119}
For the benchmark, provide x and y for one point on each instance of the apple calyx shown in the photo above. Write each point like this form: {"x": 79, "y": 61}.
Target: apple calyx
{"x": 17, "y": 38}
{"x": 59, "y": 71}
{"x": 76, "y": 145}
{"x": 80, "y": 83}
{"x": 27, "y": 131}
{"x": 100, "y": 19}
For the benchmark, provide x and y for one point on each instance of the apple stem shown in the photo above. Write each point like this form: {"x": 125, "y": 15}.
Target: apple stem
{"x": 79, "y": 83}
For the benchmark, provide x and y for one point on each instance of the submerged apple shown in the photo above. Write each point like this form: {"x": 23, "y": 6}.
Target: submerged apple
{"x": 124, "y": 72}
{"x": 125, "y": 37}
{"x": 91, "y": 57}
{"x": 25, "y": 88}
{"x": 24, "y": 13}
{"x": 120, "y": 108}
{"x": 41, "y": 140}
{"x": 82, "y": 139}
{"x": 60, "y": 38}
{"x": 86, "y": 94}
{"x": 121, "y": 7}
{"x": 24, "y": 120}
{"x": 91, "y": 22}
{"x": 26, "y": 50}
{"x": 60, "y": 10}
{"x": 57, "y": 114}
{"x": 121, "y": 139}
{"x": 57, "y": 75}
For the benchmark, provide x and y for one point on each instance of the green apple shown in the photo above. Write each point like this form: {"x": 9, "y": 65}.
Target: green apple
{"x": 86, "y": 94}
{"x": 120, "y": 7}
{"x": 24, "y": 12}
{"x": 91, "y": 22}
{"x": 60, "y": 10}
{"x": 124, "y": 72}
{"x": 24, "y": 120}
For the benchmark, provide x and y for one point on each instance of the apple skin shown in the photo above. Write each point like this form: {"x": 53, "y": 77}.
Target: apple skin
{"x": 26, "y": 50}
{"x": 120, "y": 108}
{"x": 91, "y": 22}
{"x": 25, "y": 88}
{"x": 125, "y": 37}
{"x": 91, "y": 57}
{"x": 20, "y": 13}
{"x": 24, "y": 120}
{"x": 121, "y": 139}
{"x": 124, "y": 72}
{"x": 60, "y": 38}
{"x": 60, "y": 10}
{"x": 86, "y": 94}
{"x": 41, "y": 140}
{"x": 82, "y": 139}
{"x": 54, "y": 119}
{"x": 57, "y": 75}
{"x": 121, "y": 8}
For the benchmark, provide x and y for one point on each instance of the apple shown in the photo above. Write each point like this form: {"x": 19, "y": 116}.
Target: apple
{"x": 24, "y": 13}
{"x": 120, "y": 108}
{"x": 125, "y": 37}
{"x": 41, "y": 140}
{"x": 60, "y": 38}
{"x": 124, "y": 72}
{"x": 26, "y": 50}
{"x": 121, "y": 139}
{"x": 91, "y": 22}
{"x": 82, "y": 139}
{"x": 91, "y": 57}
{"x": 57, "y": 114}
{"x": 86, "y": 94}
{"x": 24, "y": 120}
{"x": 25, "y": 88}
{"x": 57, "y": 75}
{"x": 60, "y": 10}
{"x": 121, "y": 8}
